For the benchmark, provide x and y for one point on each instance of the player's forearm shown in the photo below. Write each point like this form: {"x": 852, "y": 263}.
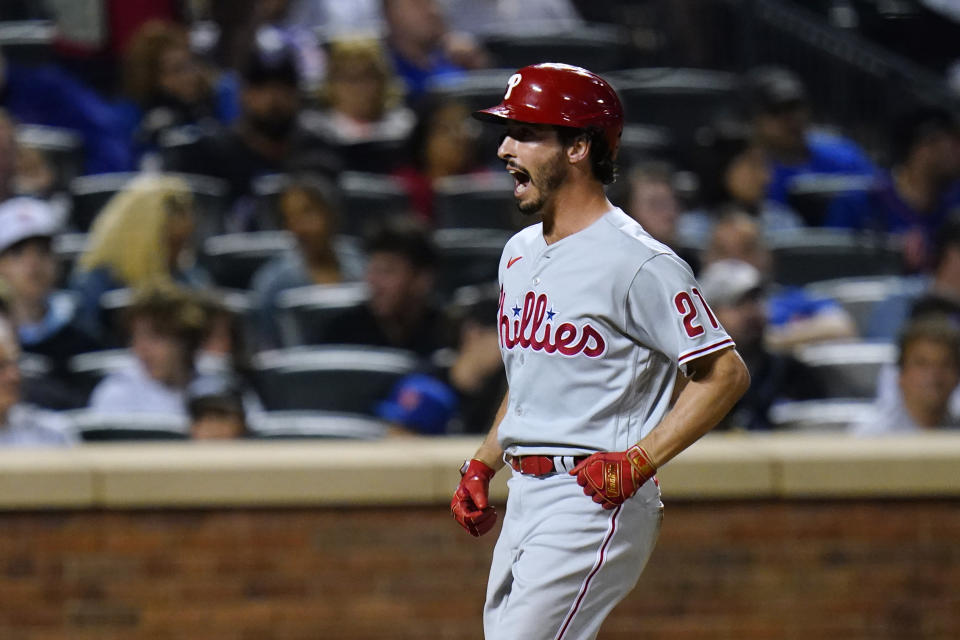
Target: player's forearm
{"x": 709, "y": 395}
{"x": 490, "y": 452}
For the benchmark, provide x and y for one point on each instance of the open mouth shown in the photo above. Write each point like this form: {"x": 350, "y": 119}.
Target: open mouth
{"x": 521, "y": 180}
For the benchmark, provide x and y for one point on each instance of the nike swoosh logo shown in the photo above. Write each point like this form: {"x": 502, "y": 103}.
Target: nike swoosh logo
{"x": 512, "y": 260}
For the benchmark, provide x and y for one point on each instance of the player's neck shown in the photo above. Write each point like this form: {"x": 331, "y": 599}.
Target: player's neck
{"x": 575, "y": 207}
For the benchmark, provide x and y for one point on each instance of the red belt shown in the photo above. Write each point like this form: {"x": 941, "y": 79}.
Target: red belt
{"x": 544, "y": 465}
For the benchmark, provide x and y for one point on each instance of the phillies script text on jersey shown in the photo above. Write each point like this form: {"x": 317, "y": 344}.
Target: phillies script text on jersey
{"x": 566, "y": 338}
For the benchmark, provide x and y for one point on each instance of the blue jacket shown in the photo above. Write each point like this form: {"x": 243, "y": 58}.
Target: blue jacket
{"x": 48, "y": 95}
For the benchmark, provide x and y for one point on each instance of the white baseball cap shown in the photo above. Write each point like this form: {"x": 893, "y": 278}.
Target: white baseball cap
{"x": 22, "y": 218}
{"x": 727, "y": 282}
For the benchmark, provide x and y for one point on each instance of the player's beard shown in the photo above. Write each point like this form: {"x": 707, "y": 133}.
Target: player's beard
{"x": 547, "y": 180}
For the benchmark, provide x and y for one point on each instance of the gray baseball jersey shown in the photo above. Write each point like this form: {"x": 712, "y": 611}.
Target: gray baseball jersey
{"x": 592, "y": 331}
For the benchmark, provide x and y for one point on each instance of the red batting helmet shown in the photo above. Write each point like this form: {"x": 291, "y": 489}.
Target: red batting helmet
{"x": 561, "y": 95}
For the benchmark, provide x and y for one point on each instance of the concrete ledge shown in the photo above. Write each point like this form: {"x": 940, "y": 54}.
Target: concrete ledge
{"x": 424, "y": 471}
{"x": 31, "y": 479}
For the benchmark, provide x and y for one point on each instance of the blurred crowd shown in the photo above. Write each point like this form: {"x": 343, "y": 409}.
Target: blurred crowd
{"x": 269, "y": 218}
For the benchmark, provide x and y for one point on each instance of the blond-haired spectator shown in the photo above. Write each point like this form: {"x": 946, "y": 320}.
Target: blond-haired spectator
{"x": 361, "y": 94}
{"x": 142, "y": 235}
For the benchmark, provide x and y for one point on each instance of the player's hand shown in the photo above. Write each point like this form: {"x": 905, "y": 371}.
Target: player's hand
{"x": 611, "y": 478}
{"x": 470, "y": 504}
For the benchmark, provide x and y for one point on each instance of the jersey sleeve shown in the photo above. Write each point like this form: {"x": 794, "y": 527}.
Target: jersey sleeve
{"x": 666, "y": 311}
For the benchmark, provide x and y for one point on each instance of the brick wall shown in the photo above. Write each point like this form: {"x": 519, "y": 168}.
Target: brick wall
{"x": 739, "y": 570}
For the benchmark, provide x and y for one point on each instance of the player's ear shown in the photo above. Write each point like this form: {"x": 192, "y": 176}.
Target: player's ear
{"x": 579, "y": 149}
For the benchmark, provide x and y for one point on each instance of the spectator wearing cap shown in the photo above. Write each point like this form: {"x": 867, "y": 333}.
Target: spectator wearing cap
{"x": 928, "y": 375}
{"x": 794, "y": 315}
{"x": 735, "y": 292}
{"x": 266, "y": 139}
{"x": 779, "y": 111}
{"x": 167, "y": 325}
{"x": 419, "y": 405}
{"x": 142, "y": 236}
{"x": 401, "y": 311}
{"x": 216, "y": 408}
{"x": 44, "y": 318}
{"x": 310, "y": 210}
{"x": 920, "y": 191}
{"x": 23, "y": 425}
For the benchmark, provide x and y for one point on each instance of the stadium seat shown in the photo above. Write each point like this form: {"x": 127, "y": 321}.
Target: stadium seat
{"x": 373, "y": 156}
{"x": 818, "y": 415}
{"x": 810, "y": 195}
{"x": 810, "y": 255}
{"x": 368, "y": 199}
{"x": 303, "y": 312}
{"x": 477, "y": 89}
{"x": 28, "y": 41}
{"x": 62, "y": 148}
{"x": 88, "y": 369}
{"x": 859, "y": 296}
{"x": 93, "y": 426}
{"x": 847, "y": 369}
{"x": 266, "y": 190}
{"x": 233, "y": 258}
{"x": 67, "y": 249}
{"x": 342, "y": 378}
{"x": 91, "y": 193}
{"x": 468, "y": 256}
{"x": 477, "y": 201}
{"x": 597, "y": 47}
{"x": 639, "y": 143}
{"x": 679, "y": 99}
{"x": 316, "y": 424}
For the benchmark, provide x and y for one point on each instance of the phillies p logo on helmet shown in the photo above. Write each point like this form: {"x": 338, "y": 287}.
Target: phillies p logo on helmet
{"x": 511, "y": 83}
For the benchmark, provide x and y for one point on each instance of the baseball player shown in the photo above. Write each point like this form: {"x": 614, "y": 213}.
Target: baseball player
{"x": 615, "y": 365}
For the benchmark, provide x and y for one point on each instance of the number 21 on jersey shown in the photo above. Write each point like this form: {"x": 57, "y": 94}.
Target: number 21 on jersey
{"x": 688, "y": 310}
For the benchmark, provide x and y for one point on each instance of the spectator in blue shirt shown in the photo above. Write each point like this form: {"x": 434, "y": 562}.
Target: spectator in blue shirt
{"x": 47, "y": 95}
{"x": 780, "y": 113}
{"x": 423, "y": 49}
{"x": 918, "y": 194}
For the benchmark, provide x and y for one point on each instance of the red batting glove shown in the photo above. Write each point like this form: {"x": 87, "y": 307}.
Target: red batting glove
{"x": 470, "y": 505}
{"x": 611, "y": 478}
